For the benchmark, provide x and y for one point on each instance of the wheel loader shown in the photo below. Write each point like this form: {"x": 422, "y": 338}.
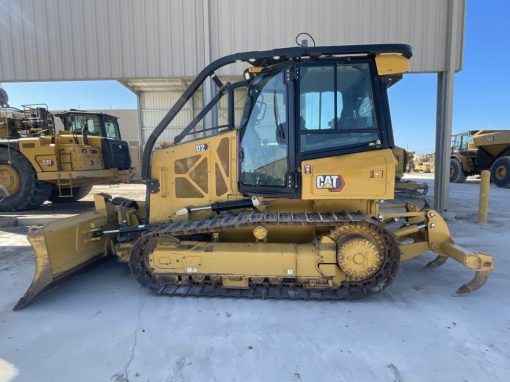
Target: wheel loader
{"x": 293, "y": 201}
{"x": 39, "y": 164}
{"x": 477, "y": 150}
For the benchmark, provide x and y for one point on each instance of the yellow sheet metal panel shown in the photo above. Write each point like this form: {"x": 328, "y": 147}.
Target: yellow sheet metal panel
{"x": 391, "y": 64}
{"x": 493, "y": 141}
{"x": 75, "y": 157}
{"x": 368, "y": 175}
{"x": 85, "y": 177}
{"x": 195, "y": 173}
{"x": 260, "y": 259}
{"x": 39, "y": 152}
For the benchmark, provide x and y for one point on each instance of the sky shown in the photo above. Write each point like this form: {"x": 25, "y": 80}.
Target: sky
{"x": 481, "y": 99}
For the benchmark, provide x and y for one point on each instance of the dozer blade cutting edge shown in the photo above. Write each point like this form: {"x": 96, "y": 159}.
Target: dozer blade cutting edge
{"x": 62, "y": 249}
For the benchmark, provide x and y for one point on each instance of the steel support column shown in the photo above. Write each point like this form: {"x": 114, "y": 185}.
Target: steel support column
{"x": 141, "y": 138}
{"x": 443, "y": 140}
{"x": 444, "y": 113}
{"x": 209, "y": 87}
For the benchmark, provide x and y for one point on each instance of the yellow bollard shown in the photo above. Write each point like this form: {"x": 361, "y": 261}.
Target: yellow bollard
{"x": 483, "y": 208}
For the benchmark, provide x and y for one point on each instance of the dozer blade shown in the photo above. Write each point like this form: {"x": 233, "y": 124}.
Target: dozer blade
{"x": 63, "y": 248}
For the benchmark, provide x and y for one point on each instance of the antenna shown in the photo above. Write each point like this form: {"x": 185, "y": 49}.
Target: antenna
{"x": 304, "y": 42}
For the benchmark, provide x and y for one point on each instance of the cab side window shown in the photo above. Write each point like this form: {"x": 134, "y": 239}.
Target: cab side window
{"x": 336, "y": 107}
{"x": 76, "y": 124}
{"x": 112, "y": 128}
{"x": 456, "y": 140}
{"x": 466, "y": 140}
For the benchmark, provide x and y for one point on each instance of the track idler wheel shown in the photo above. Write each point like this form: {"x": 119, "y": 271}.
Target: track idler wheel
{"x": 139, "y": 257}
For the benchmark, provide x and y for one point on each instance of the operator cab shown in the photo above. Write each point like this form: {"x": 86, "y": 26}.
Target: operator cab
{"x": 115, "y": 150}
{"x": 464, "y": 141}
{"x": 308, "y": 110}
{"x": 302, "y": 104}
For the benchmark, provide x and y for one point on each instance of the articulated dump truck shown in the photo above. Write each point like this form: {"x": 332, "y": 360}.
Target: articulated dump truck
{"x": 293, "y": 201}
{"x": 477, "y": 150}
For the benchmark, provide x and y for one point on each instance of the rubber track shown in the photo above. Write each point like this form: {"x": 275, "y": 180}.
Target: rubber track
{"x": 289, "y": 289}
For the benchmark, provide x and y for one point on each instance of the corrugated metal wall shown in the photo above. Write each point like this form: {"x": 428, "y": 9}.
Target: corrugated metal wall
{"x": 238, "y": 25}
{"x": 100, "y": 39}
{"x": 149, "y": 44}
{"x": 155, "y": 104}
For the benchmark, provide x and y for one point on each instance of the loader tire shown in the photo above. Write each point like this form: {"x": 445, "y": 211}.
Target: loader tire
{"x": 20, "y": 179}
{"x": 500, "y": 172}
{"x": 457, "y": 174}
{"x": 78, "y": 193}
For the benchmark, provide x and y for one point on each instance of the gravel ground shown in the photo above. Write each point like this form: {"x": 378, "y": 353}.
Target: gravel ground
{"x": 101, "y": 326}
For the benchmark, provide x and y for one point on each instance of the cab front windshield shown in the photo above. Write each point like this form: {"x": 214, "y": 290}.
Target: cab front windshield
{"x": 264, "y": 137}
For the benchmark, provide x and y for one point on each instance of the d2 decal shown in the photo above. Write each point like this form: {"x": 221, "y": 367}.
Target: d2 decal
{"x": 332, "y": 183}
{"x": 202, "y": 147}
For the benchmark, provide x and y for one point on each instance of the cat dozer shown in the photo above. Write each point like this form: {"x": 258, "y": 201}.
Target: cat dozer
{"x": 293, "y": 201}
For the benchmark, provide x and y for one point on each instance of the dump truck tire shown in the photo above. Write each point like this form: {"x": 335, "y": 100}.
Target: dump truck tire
{"x": 457, "y": 174}
{"x": 78, "y": 193}
{"x": 20, "y": 178}
{"x": 500, "y": 172}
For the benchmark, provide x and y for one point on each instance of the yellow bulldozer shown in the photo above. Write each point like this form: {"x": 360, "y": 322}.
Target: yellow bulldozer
{"x": 426, "y": 163}
{"x": 38, "y": 164}
{"x": 293, "y": 201}
{"x": 477, "y": 150}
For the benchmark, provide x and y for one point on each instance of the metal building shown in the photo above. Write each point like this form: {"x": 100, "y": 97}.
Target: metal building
{"x": 155, "y": 47}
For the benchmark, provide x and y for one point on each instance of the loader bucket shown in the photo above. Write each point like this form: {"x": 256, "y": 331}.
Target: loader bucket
{"x": 62, "y": 249}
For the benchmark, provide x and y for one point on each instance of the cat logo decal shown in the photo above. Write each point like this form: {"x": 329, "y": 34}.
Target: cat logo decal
{"x": 332, "y": 183}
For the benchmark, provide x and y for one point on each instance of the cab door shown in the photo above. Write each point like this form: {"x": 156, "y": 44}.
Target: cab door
{"x": 115, "y": 151}
{"x": 267, "y": 148}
